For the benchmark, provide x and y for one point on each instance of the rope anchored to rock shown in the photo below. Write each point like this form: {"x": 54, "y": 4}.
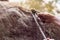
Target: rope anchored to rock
{"x": 39, "y": 25}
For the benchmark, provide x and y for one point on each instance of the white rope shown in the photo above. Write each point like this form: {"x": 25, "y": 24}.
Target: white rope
{"x": 39, "y": 26}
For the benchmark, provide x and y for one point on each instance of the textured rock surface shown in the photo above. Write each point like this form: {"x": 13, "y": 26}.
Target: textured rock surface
{"x": 17, "y": 23}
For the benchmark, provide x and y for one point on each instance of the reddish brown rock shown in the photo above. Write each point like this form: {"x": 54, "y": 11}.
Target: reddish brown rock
{"x": 17, "y": 23}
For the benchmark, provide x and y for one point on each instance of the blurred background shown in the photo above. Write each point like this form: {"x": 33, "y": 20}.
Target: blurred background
{"x": 46, "y": 6}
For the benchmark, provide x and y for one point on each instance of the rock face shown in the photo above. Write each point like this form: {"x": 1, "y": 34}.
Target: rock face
{"x": 17, "y": 23}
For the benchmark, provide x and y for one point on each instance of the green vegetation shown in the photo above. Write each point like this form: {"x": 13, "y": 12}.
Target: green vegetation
{"x": 41, "y": 5}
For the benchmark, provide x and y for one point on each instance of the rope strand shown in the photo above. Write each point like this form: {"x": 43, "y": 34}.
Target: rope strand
{"x": 39, "y": 26}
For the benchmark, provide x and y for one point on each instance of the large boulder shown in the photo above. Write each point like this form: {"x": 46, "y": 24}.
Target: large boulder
{"x": 17, "y": 23}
